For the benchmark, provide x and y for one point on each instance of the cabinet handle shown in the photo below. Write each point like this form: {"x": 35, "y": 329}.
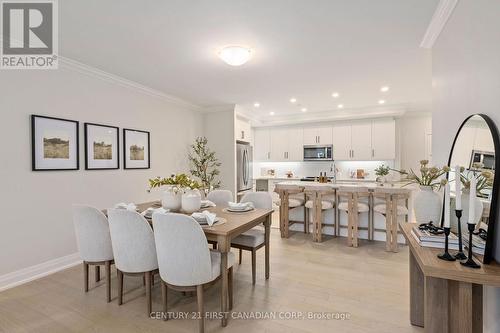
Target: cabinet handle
{"x": 269, "y": 155}
{"x": 353, "y": 153}
{"x": 242, "y": 134}
{"x": 373, "y": 152}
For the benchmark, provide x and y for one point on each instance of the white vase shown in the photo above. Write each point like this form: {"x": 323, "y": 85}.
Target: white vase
{"x": 191, "y": 201}
{"x": 465, "y": 212}
{"x": 427, "y": 205}
{"x": 172, "y": 199}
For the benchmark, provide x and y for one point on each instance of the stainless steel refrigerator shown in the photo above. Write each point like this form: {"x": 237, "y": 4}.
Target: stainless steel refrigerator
{"x": 244, "y": 166}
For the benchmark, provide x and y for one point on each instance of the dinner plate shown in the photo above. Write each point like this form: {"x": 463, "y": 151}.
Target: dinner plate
{"x": 237, "y": 210}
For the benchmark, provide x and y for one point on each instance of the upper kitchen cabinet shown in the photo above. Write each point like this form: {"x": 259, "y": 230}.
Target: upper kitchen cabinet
{"x": 318, "y": 136}
{"x": 286, "y": 144}
{"x": 383, "y": 139}
{"x": 262, "y": 144}
{"x": 243, "y": 130}
{"x": 361, "y": 145}
{"x": 342, "y": 142}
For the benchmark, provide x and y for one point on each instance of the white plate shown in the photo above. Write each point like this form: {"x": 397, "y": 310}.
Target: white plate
{"x": 239, "y": 210}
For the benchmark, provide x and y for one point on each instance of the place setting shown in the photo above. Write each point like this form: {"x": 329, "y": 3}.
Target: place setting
{"x": 239, "y": 207}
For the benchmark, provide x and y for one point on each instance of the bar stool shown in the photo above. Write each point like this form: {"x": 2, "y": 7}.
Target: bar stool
{"x": 292, "y": 197}
{"x": 392, "y": 210}
{"x": 321, "y": 199}
{"x": 353, "y": 207}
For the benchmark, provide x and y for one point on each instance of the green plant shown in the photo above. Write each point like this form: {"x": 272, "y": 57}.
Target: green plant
{"x": 429, "y": 176}
{"x": 484, "y": 180}
{"x": 204, "y": 165}
{"x": 382, "y": 170}
{"x": 178, "y": 182}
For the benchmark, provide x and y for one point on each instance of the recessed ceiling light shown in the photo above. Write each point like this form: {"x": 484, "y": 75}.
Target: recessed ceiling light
{"x": 303, "y": 109}
{"x": 235, "y": 55}
{"x": 335, "y": 95}
{"x": 271, "y": 113}
{"x": 293, "y": 100}
{"x": 384, "y": 89}
{"x": 340, "y": 106}
{"x": 381, "y": 101}
{"x": 256, "y": 104}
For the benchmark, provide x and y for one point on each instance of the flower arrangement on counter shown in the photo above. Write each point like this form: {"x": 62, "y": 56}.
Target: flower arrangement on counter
{"x": 382, "y": 170}
{"x": 178, "y": 182}
{"x": 429, "y": 176}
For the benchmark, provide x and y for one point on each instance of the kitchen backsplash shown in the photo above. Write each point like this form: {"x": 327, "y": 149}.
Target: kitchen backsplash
{"x": 304, "y": 169}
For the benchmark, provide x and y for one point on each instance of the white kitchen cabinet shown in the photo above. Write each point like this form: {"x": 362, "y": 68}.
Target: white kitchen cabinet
{"x": 317, "y": 136}
{"x": 243, "y": 130}
{"x": 262, "y": 145}
{"x": 286, "y": 144}
{"x": 361, "y": 141}
{"x": 383, "y": 140}
{"x": 295, "y": 144}
{"x": 342, "y": 142}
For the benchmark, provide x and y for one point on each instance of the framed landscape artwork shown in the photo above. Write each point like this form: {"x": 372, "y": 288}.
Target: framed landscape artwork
{"x": 101, "y": 147}
{"x": 54, "y": 144}
{"x": 136, "y": 149}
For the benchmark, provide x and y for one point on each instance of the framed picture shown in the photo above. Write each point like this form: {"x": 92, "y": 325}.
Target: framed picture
{"x": 136, "y": 149}
{"x": 54, "y": 144}
{"x": 101, "y": 147}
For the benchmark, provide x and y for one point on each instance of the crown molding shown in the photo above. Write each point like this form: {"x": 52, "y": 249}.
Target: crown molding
{"x": 441, "y": 15}
{"x": 82, "y": 68}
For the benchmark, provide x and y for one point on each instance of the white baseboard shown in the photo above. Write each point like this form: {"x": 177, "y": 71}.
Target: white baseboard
{"x": 28, "y": 274}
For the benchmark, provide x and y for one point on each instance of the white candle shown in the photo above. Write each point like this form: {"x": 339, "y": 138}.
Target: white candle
{"x": 472, "y": 200}
{"x": 458, "y": 189}
{"x": 447, "y": 206}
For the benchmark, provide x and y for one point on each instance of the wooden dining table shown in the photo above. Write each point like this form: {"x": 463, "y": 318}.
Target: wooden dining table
{"x": 234, "y": 225}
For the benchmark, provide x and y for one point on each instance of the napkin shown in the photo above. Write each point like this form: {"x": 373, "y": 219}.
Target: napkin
{"x": 207, "y": 203}
{"x": 241, "y": 205}
{"x": 130, "y": 206}
{"x": 150, "y": 211}
{"x": 205, "y": 216}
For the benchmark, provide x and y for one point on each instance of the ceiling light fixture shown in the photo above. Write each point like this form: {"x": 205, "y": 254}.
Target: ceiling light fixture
{"x": 303, "y": 109}
{"x": 235, "y": 55}
{"x": 340, "y": 106}
{"x": 384, "y": 89}
{"x": 271, "y": 113}
{"x": 256, "y": 104}
{"x": 293, "y": 100}
{"x": 335, "y": 95}
{"x": 381, "y": 101}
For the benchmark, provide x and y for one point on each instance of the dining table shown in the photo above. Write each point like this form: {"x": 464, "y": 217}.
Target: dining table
{"x": 233, "y": 224}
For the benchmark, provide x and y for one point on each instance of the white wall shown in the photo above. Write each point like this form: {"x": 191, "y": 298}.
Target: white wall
{"x": 36, "y": 225}
{"x": 466, "y": 80}
{"x": 414, "y": 134}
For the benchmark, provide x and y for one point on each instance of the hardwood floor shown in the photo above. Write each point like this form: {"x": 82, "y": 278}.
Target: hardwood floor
{"x": 366, "y": 282}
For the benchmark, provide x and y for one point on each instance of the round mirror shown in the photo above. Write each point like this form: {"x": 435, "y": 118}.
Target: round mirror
{"x": 476, "y": 150}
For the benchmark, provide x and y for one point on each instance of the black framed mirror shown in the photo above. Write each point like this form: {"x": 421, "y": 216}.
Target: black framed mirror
{"x": 476, "y": 149}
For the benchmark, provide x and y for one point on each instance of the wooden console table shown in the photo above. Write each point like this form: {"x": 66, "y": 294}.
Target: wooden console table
{"x": 445, "y": 296}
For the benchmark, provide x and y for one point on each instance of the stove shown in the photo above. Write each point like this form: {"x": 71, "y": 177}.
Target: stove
{"x": 311, "y": 179}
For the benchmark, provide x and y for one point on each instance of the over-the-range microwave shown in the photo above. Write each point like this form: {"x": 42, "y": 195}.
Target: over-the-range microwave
{"x": 318, "y": 153}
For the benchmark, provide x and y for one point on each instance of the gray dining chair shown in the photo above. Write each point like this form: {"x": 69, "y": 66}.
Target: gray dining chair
{"x": 253, "y": 239}
{"x": 220, "y": 197}
{"x": 134, "y": 248}
{"x": 94, "y": 243}
{"x": 184, "y": 260}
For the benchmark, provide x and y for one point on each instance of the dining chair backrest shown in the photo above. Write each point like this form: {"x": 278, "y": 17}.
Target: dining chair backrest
{"x": 220, "y": 197}
{"x": 183, "y": 255}
{"x": 133, "y": 241}
{"x": 92, "y": 234}
{"x": 259, "y": 199}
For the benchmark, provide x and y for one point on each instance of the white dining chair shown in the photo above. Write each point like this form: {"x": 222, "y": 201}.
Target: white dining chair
{"x": 185, "y": 262}
{"x": 253, "y": 239}
{"x": 94, "y": 243}
{"x": 220, "y": 197}
{"x": 134, "y": 248}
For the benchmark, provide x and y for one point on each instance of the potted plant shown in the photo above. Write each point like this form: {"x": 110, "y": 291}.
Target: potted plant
{"x": 204, "y": 165}
{"x": 381, "y": 172}
{"x": 427, "y": 203}
{"x": 179, "y": 188}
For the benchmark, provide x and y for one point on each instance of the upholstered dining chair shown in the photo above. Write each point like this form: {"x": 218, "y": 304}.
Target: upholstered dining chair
{"x": 220, "y": 197}
{"x": 253, "y": 239}
{"x": 185, "y": 262}
{"x": 134, "y": 248}
{"x": 94, "y": 243}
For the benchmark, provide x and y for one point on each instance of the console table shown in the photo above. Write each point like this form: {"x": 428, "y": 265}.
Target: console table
{"x": 445, "y": 296}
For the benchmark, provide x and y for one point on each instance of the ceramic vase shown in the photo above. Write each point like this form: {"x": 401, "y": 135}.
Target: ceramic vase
{"x": 427, "y": 205}
{"x": 465, "y": 212}
{"x": 172, "y": 199}
{"x": 191, "y": 201}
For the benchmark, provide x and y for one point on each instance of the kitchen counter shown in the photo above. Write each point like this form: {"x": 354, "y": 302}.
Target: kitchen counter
{"x": 338, "y": 183}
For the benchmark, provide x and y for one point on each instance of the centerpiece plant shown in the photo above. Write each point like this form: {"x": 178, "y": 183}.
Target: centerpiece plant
{"x": 204, "y": 165}
{"x": 181, "y": 192}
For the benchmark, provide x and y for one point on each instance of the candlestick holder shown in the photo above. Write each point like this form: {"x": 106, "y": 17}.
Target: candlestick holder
{"x": 470, "y": 261}
{"x": 460, "y": 254}
{"x": 446, "y": 255}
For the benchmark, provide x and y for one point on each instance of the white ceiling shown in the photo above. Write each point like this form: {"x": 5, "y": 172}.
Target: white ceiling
{"x": 302, "y": 49}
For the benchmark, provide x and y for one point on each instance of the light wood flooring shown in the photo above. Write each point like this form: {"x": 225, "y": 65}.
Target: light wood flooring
{"x": 368, "y": 283}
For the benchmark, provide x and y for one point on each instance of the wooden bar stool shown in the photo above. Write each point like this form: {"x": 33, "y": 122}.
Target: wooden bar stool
{"x": 353, "y": 207}
{"x": 291, "y": 197}
{"x": 321, "y": 198}
{"x": 391, "y": 210}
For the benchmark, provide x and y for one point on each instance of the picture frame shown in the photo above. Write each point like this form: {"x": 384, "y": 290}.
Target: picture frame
{"x": 55, "y": 144}
{"x": 102, "y": 147}
{"x": 136, "y": 149}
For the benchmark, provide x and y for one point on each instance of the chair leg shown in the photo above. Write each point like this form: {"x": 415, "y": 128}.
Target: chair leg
{"x": 120, "y": 286}
{"x": 148, "y": 291}
{"x": 201, "y": 311}
{"x": 241, "y": 252}
{"x": 97, "y": 273}
{"x": 107, "y": 266}
{"x": 85, "y": 276}
{"x": 230, "y": 289}
{"x": 253, "y": 265}
{"x": 164, "y": 290}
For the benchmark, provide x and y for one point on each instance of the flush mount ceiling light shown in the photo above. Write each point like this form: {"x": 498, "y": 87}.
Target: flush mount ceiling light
{"x": 303, "y": 109}
{"x": 381, "y": 102}
{"x": 340, "y": 106}
{"x": 384, "y": 89}
{"x": 235, "y": 55}
{"x": 293, "y": 100}
{"x": 335, "y": 95}
{"x": 256, "y": 104}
